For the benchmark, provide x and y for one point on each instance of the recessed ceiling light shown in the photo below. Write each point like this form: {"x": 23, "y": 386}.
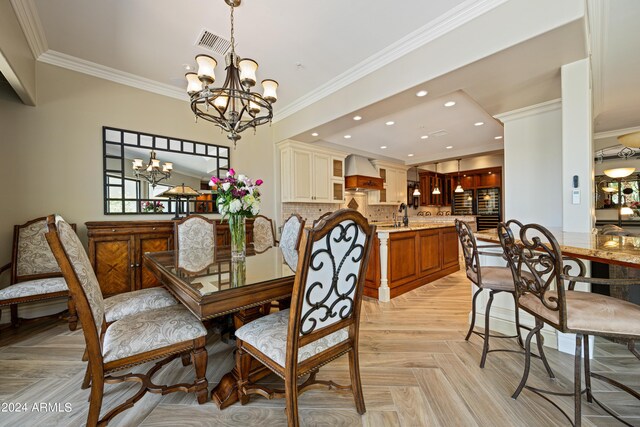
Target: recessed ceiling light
{"x": 424, "y": 137}
{"x": 389, "y": 123}
{"x": 187, "y": 67}
{"x": 449, "y": 104}
{"x": 356, "y": 118}
{"x": 449, "y": 147}
{"x": 497, "y": 137}
{"x": 409, "y": 155}
{"x": 314, "y": 134}
{"x": 478, "y": 123}
{"x": 383, "y": 147}
{"x": 489, "y": 173}
{"x": 421, "y": 93}
{"x": 347, "y": 136}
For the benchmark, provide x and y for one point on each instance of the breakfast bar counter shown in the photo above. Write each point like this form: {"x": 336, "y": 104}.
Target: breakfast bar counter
{"x": 405, "y": 258}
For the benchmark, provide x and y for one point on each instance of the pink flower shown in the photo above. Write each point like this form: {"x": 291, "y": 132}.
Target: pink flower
{"x": 259, "y": 182}
{"x": 214, "y": 180}
{"x": 232, "y": 172}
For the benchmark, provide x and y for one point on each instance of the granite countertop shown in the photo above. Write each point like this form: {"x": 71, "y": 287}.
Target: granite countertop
{"x": 387, "y": 228}
{"x": 622, "y": 250}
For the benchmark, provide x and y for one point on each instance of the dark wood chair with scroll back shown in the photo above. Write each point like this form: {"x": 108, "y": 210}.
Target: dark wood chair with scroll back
{"x": 493, "y": 279}
{"x": 35, "y": 275}
{"x": 164, "y": 333}
{"x": 545, "y": 289}
{"x": 323, "y": 321}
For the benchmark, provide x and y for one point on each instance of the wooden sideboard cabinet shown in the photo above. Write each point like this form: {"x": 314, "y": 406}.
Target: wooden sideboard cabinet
{"x": 116, "y": 250}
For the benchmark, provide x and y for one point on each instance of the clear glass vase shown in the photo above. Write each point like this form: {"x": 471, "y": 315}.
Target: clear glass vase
{"x": 238, "y": 233}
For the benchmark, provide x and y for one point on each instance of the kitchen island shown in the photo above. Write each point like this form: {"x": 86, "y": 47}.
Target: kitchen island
{"x": 405, "y": 258}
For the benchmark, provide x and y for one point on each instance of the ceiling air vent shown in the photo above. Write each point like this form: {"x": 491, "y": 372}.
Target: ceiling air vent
{"x": 212, "y": 42}
{"x": 439, "y": 133}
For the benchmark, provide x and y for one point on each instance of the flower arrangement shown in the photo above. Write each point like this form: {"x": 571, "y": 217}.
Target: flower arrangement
{"x": 237, "y": 195}
{"x": 152, "y": 207}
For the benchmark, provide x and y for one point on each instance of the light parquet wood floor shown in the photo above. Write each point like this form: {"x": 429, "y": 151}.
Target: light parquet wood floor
{"x": 417, "y": 370}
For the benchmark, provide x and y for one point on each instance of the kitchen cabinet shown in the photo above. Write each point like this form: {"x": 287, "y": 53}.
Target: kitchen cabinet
{"x": 414, "y": 258}
{"x": 116, "y": 250}
{"x": 311, "y": 175}
{"x": 394, "y": 179}
{"x": 431, "y": 180}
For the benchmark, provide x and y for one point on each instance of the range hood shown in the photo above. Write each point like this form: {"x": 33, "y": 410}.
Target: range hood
{"x": 361, "y": 175}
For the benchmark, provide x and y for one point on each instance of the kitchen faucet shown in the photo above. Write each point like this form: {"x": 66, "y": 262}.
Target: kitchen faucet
{"x": 405, "y": 218}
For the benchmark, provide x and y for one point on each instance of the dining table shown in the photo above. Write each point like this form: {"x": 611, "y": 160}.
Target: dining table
{"x": 210, "y": 283}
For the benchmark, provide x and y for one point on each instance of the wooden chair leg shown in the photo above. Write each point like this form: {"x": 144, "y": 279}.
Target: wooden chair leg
{"x": 95, "y": 400}
{"x": 73, "y": 315}
{"x": 291, "y": 397}
{"x": 356, "y": 383}
{"x": 243, "y": 363}
{"x": 473, "y": 315}
{"x": 86, "y": 383}
{"x": 200, "y": 357}
{"x": 487, "y": 332}
{"x": 15, "y": 320}
{"x": 186, "y": 359}
{"x": 577, "y": 382}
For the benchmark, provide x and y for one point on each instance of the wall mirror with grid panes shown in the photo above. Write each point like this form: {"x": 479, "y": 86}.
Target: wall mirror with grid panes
{"x": 194, "y": 163}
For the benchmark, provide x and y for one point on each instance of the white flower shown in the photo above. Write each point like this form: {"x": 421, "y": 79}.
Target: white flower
{"x": 241, "y": 178}
{"x": 222, "y": 209}
{"x": 228, "y": 174}
{"x": 226, "y": 186}
{"x": 255, "y": 208}
{"x": 235, "y": 206}
{"x": 249, "y": 200}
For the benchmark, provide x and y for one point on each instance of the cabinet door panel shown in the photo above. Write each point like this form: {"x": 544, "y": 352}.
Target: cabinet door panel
{"x": 150, "y": 244}
{"x": 302, "y": 182}
{"x": 321, "y": 178}
{"x": 429, "y": 252}
{"x": 402, "y": 258}
{"x": 449, "y": 247}
{"x": 113, "y": 259}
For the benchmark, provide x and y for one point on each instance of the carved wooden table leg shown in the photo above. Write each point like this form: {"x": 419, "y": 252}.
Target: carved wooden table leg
{"x": 226, "y": 392}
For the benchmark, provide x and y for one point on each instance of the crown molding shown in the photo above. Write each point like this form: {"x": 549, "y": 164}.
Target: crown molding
{"x": 456, "y": 17}
{"x": 29, "y": 20}
{"x": 91, "y": 68}
{"x": 532, "y": 110}
{"x": 598, "y": 16}
{"x": 614, "y": 133}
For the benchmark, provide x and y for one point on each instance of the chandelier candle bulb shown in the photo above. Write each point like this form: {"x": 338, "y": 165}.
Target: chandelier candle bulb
{"x": 206, "y": 69}
{"x": 221, "y": 103}
{"x": 254, "y": 108}
{"x": 248, "y": 68}
{"x": 193, "y": 83}
{"x": 137, "y": 163}
{"x": 270, "y": 87}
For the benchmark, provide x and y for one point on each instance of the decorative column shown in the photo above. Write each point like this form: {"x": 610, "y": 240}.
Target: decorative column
{"x": 384, "y": 293}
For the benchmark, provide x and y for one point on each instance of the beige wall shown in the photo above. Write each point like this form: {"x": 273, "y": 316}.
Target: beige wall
{"x": 51, "y": 154}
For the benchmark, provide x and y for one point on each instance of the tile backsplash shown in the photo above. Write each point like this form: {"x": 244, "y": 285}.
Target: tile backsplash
{"x": 312, "y": 211}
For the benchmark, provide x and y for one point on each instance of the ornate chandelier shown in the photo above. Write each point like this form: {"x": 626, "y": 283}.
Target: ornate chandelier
{"x": 232, "y": 107}
{"x": 152, "y": 171}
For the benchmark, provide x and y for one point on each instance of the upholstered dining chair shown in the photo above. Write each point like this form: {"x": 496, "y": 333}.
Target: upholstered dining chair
{"x": 545, "y": 289}
{"x": 290, "y": 240}
{"x": 324, "y": 318}
{"x": 264, "y": 236}
{"x": 35, "y": 275}
{"x": 161, "y": 334}
{"x": 493, "y": 279}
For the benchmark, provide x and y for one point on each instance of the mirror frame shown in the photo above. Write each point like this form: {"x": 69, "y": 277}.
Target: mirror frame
{"x": 193, "y": 148}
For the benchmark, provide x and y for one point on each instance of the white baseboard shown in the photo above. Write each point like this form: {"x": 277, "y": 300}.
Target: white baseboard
{"x": 567, "y": 344}
{"x": 35, "y": 309}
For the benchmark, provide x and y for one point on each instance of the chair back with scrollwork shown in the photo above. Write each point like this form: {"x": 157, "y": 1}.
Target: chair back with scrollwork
{"x": 290, "y": 240}
{"x": 328, "y": 287}
{"x": 469, "y": 252}
{"x": 539, "y": 269}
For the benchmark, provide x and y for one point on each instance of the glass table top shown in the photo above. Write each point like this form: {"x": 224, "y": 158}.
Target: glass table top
{"x": 211, "y": 271}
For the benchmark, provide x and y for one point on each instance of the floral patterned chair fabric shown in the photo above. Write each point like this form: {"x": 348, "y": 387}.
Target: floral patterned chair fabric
{"x": 263, "y": 234}
{"x": 35, "y": 274}
{"x": 290, "y": 239}
{"x": 195, "y": 232}
{"x": 130, "y": 303}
